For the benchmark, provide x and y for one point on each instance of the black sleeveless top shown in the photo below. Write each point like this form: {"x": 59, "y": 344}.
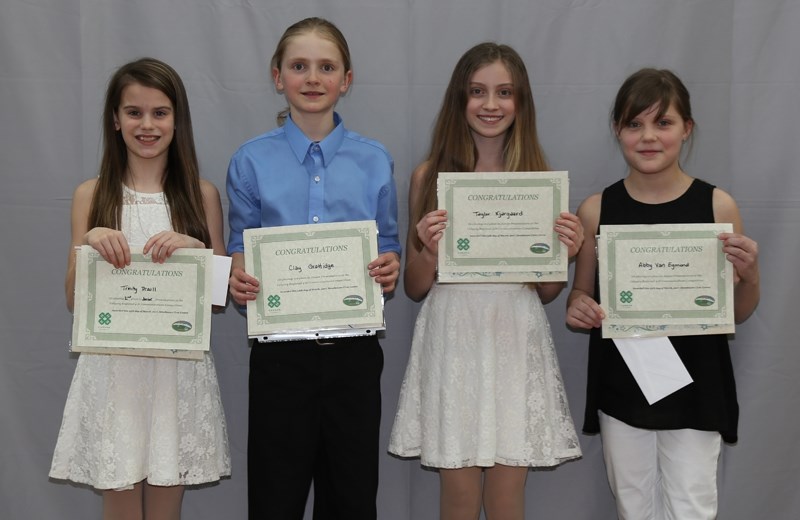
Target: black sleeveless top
{"x": 709, "y": 402}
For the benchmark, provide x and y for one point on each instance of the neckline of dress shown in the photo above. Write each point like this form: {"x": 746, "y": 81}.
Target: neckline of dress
{"x": 130, "y": 190}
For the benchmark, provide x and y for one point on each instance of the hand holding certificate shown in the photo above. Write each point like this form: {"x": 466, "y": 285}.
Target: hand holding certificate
{"x": 665, "y": 280}
{"x": 501, "y": 226}
{"x": 314, "y": 281}
{"x": 145, "y": 308}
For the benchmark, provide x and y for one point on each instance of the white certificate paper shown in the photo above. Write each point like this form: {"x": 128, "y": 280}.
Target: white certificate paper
{"x": 145, "y": 308}
{"x": 664, "y": 280}
{"x": 500, "y": 226}
{"x": 656, "y": 367}
{"x": 314, "y": 281}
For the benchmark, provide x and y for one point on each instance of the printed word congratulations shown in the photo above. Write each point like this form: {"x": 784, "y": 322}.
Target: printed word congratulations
{"x": 127, "y": 271}
{"x": 502, "y": 197}
{"x": 667, "y": 249}
{"x": 310, "y": 250}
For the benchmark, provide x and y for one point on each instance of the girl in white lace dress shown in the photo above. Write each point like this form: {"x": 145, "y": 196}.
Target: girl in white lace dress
{"x": 141, "y": 428}
{"x": 482, "y": 399}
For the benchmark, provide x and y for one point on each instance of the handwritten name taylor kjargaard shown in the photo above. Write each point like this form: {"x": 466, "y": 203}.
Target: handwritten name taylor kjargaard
{"x": 499, "y": 214}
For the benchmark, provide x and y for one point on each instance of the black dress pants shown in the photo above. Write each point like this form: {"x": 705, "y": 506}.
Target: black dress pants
{"x": 314, "y": 415}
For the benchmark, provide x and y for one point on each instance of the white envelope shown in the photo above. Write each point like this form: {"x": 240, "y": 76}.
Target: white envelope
{"x": 222, "y": 271}
{"x": 655, "y": 365}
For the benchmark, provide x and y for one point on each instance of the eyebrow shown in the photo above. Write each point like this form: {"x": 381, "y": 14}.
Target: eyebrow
{"x": 303, "y": 56}
{"x": 165, "y": 107}
{"x": 479, "y": 84}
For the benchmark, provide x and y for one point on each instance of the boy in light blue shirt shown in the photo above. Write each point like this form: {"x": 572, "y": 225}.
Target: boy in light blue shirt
{"x": 314, "y": 409}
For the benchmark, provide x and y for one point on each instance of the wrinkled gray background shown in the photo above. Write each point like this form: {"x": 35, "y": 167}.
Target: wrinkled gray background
{"x": 738, "y": 58}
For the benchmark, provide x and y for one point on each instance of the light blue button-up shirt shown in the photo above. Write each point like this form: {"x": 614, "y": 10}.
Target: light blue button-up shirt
{"x": 283, "y": 178}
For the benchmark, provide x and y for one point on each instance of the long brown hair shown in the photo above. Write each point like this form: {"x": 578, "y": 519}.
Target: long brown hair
{"x": 453, "y": 148}
{"x": 181, "y": 180}
{"x": 322, "y": 27}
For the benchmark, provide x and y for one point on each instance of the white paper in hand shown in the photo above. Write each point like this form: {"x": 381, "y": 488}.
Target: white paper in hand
{"x": 655, "y": 365}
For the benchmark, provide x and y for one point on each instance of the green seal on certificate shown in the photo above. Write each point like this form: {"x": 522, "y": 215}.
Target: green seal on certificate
{"x": 540, "y": 249}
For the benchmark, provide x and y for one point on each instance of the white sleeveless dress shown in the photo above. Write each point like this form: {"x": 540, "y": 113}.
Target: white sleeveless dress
{"x": 129, "y": 418}
{"x": 483, "y": 385}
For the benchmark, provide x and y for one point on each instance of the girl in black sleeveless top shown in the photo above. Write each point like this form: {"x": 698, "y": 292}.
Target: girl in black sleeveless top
{"x": 661, "y": 459}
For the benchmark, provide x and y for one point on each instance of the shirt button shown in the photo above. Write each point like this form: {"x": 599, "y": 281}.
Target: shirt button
{"x": 315, "y": 219}
{"x": 316, "y": 179}
{"x": 316, "y": 147}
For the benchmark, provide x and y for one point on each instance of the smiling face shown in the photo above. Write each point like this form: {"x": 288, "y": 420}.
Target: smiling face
{"x": 311, "y": 75}
{"x": 145, "y": 118}
{"x": 490, "y": 101}
{"x": 652, "y": 144}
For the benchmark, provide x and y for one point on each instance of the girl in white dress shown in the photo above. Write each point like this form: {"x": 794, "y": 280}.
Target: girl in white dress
{"x": 141, "y": 428}
{"x": 482, "y": 399}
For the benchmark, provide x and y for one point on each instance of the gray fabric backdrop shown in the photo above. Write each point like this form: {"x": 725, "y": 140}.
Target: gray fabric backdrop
{"x": 738, "y": 57}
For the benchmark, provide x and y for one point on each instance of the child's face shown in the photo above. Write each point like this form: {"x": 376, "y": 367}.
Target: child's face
{"x": 145, "y": 118}
{"x": 312, "y": 75}
{"x": 652, "y": 145}
{"x": 490, "y": 101}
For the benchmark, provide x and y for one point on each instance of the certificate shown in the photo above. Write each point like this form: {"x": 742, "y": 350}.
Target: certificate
{"x": 314, "y": 281}
{"x": 500, "y": 226}
{"x": 664, "y": 280}
{"x": 145, "y": 308}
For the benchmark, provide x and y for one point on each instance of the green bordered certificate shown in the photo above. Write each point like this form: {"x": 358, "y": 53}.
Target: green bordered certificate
{"x": 665, "y": 280}
{"x": 145, "y": 308}
{"x": 500, "y": 227}
{"x": 314, "y": 281}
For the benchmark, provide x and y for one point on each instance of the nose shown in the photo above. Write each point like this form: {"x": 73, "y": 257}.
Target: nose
{"x": 648, "y": 133}
{"x": 312, "y": 76}
{"x": 147, "y": 121}
{"x": 490, "y": 102}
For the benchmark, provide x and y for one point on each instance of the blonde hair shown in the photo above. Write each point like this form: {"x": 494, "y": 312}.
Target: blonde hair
{"x": 452, "y": 145}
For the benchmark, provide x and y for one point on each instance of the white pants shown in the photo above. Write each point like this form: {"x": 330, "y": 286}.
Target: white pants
{"x": 661, "y": 474}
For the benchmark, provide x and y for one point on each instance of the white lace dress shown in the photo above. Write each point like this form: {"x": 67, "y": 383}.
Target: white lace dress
{"x": 483, "y": 385}
{"x": 129, "y": 418}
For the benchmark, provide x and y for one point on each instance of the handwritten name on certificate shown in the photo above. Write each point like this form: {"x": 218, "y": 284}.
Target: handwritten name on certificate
{"x": 314, "y": 281}
{"x": 500, "y": 226}
{"x": 665, "y": 280}
{"x": 156, "y": 309}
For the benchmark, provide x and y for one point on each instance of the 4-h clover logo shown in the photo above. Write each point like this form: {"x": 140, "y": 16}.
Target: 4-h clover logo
{"x": 463, "y": 244}
{"x": 626, "y": 296}
{"x": 273, "y": 300}
{"x": 104, "y": 318}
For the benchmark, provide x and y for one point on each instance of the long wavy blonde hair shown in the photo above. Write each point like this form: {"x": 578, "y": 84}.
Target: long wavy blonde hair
{"x": 453, "y": 148}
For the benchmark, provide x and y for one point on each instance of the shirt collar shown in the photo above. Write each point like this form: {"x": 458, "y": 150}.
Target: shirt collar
{"x": 300, "y": 144}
